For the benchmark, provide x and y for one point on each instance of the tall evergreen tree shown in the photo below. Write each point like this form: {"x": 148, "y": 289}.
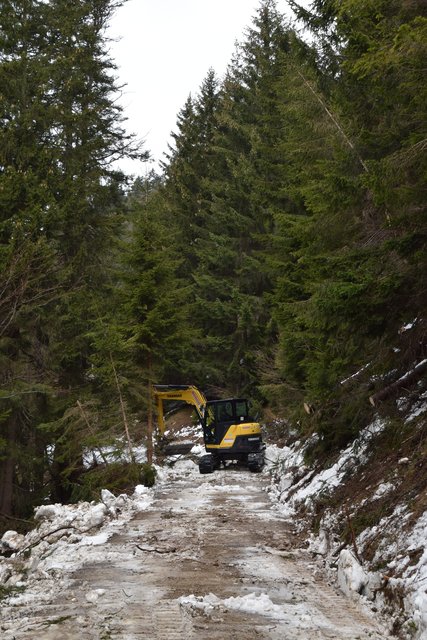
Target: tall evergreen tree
{"x": 189, "y": 167}
{"x": 244, "y": 182}
{"x": 29, "y": 264}
{"x": 59, "y": 195}
{"x": 352, "y": 261}
{"x": 157, "y": 296}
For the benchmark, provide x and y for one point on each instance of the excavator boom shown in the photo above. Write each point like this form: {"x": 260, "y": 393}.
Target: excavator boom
{"x": 184, "y": 393}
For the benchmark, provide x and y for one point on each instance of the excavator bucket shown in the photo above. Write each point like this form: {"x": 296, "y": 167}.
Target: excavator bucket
{"x": 181, "y": 394}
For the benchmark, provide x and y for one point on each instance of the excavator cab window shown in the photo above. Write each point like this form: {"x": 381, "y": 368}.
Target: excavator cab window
{"x": 225, "y": 412}
{"x": 242, "y": 410}
{"x": 222, "y": 411}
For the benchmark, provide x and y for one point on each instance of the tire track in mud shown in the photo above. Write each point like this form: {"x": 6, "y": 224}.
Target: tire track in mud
{"x": 202, "y": 535}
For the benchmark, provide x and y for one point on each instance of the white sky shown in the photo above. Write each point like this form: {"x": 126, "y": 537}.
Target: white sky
{"x": 165, "y": 50}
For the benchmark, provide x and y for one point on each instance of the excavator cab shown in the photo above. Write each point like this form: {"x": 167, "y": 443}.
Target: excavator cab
{"x": 220, "y": 415}
{"x": 230, "y": 433}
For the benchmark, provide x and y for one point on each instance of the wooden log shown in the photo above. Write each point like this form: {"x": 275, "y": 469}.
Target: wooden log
{"x": 405, "y": 382}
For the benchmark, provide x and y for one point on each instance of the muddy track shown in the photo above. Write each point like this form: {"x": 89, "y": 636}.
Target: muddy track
{"x": 216, "y": 535}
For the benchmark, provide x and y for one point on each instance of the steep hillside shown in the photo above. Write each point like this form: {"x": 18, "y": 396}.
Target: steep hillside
{"x": 364, "y": 511}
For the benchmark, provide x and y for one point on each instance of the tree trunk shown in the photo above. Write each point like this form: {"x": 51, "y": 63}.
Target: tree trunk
{"x": 7, "y": 467}
{"x": 150, "y": 416}
{"x": 405, "y": 382}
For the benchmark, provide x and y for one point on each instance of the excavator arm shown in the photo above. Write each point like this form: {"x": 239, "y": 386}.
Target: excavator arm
{"x": 184, "y": 393}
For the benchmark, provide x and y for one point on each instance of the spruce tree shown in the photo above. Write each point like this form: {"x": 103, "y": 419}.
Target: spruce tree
{"x": 358, "y": 284}
{"x": 189, "y": 168}
{"x": 29, "y": 264}
{"x": 60, "y": 132}
{"x": 246, "y": 170}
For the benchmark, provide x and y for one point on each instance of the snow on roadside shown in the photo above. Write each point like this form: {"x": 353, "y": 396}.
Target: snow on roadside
{"x": 295, "y": 486}
{"x": 289, "y": 465}
{"x": 250, "y": 603}
{"x": 404, "y": 555}
{"x": 40, "y": 561}
{"x": 34, "y": 567}
{"x": 416, "y": 576}
{"x": 298, "y": 617}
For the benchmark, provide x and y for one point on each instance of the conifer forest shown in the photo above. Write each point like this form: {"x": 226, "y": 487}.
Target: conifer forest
{"x": 278, "y": 254}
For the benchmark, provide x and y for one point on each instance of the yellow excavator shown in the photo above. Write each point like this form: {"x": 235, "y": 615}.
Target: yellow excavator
{"x": 229, "y": 433}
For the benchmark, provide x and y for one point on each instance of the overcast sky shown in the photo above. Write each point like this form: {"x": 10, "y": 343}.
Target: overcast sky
{"x": 164, "y": 52}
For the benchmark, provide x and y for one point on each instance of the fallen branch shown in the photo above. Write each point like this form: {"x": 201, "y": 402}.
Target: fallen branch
{"x": 405, "y": 381}
{"x": 334, "y": 120}
{"x": 309, "y": 408}
{"x": 122, "y": 407}
{"x": 50, "y": 533}
{"x": 4, "y": 515}
{"x": 46, "y": 535}
{"x": 352, "y": 534}
{"x": 154, "y": 550}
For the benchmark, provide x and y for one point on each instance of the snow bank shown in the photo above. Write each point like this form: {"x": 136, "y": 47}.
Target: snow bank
{"x": 401, "y": 550}
{"x": 414, "y": 573}
{"x": 296, "y": 485}
{"x": 41, "y": 559}
{"x": 252, "y": 603}
{"x": 354, "y": 579}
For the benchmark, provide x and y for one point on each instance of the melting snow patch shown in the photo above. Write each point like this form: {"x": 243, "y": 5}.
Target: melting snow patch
{"x": 415, "y": 577}
{"x": 353, "y": 578}
{"x": 289, "y": 494}
{"x": 190, "y": 430}
{"x": 118, "y": 453}
{"x": 418, "y": 408}
{"x": 94, "y": 595}
{"x": 59, "y": 544}
{"x": 408, "y": 326}
{"x": 252, "y": 603}
{"x": 382, "y": 490}
{"x": 101, "y": 538}
{"x": 182, "y": 469}
{"x": 198, "y": 450}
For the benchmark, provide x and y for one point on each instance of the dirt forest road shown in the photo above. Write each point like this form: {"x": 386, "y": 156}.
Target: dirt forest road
{"x": 209, "y": 560}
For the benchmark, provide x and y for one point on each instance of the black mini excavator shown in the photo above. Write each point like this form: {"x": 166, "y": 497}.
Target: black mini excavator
{"x": 229, "y": 433}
